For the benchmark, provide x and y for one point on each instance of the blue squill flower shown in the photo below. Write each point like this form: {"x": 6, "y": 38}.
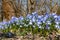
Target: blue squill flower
{"x": 42, "y": 20}
{"x": 35, "y": 14}
{"x": 1, "y": 27}
{"x": 13, "y": 19}
{"x": 58, "y": 18}
{"x": 5, "y": 23}
{"x": 48, "y": 22}
{"x": 39, "y": 17}
{"x": 9, "y": 22}
{"x": 45, "y": 18}
{"x": 1, "y": 23}
{"x": 53, "y": 14}
{"x": 47, "y": 26}
{"x": 57, "y": 22}
{"x": 47, "y": 14}
{"x": 38, "y": 21}
{"x": 21, "y": 18}
{"x": 29, "y": 16}
{"x": 57, "y": 26}
{"x": 33, "y": 19}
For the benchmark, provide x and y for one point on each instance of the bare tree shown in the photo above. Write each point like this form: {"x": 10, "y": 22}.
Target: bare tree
{"x": 7, "y": 9}
{"x": 13, "y": 8}
{"x": 31, "y": 5}
{"x": 1, "y": 16}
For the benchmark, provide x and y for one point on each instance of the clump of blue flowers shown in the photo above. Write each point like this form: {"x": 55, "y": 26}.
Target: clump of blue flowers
{"x": 34, "y": 23}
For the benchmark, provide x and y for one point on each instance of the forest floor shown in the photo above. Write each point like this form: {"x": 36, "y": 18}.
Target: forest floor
{"x": 33, "y": 37}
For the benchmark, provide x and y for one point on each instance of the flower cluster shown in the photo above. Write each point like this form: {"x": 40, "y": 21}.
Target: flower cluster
{"x": 37, "y": 23}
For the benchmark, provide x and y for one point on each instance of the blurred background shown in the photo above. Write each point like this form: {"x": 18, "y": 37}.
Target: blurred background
{"x": 9, "y": 8}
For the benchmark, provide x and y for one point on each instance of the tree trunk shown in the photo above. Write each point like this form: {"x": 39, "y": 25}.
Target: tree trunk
{"x": 58, "y": 10}
{"x": 31, "y": 5}
{"x": 7, "y": 9}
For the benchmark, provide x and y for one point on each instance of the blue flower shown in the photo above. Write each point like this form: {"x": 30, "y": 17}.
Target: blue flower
{"x": 45, "y": 18}
{"x": 47, "y": 26}
{"x": 42, "y": 20}
{"x": 39, "y": 23}
{"x": 53, "y": 14}
{"x": 1, "y": 27}
{"x": 13, "y": 19}
{"x": 1, "y": 23}
{"x": 57, "y": 22}
{"x": 57, "y": 26}
{"x": 35, "y": 14}
{"x": 38, "y": 20}
{"x": 39, "y": 17}
{"x": 5, "y": 23}
{"x": 21, "y": 18}
{"x": 47, "y": 14}
{"x": 33, "y": 19}
{"x": 58, "y": 18}
{"x": 29, "y": 16}
{"x": 48, "y": 22}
